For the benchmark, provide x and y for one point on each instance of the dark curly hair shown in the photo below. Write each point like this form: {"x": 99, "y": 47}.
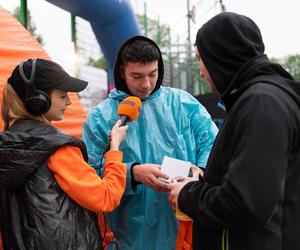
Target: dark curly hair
{"x": 140, "y": 51}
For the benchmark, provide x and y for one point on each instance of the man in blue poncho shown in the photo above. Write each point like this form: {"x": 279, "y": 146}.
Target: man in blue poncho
{"x": 171, "y": 123}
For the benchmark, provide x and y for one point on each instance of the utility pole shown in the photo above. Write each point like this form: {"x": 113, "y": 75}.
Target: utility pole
{"x": 158, "y": 38}
{"x": 178, "y": 60}
{"x": 145, "y": 19}
{"x": 74, "y": 40}
{"x": 170, "y": 56}
{"x": 23, "y": 14}
{"x": 222, "y": 6}
{"x": 189, "y": 52}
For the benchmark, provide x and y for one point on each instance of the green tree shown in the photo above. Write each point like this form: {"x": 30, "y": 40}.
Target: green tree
{"x": 99, "y": 63}
{"x": 31, "y": 25}
{"x": 156, "y": 31}
{"x": 291, "y": 63}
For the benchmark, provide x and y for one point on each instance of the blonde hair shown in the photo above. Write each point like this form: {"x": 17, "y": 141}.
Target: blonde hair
{"x": 13, "y": 107}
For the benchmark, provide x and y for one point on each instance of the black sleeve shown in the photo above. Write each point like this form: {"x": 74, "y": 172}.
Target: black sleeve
{"x": 134, "y": 183}
{"x": 254, "y": 183}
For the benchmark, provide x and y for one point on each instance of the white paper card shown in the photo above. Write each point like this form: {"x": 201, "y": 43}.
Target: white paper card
{"x": 174, "y": 168}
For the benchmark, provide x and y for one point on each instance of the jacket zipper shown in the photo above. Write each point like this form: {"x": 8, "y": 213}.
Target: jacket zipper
{"x": 225, "y": 239}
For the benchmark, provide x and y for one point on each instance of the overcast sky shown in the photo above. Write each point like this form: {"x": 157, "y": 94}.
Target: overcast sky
{"x": 279, "y": 21}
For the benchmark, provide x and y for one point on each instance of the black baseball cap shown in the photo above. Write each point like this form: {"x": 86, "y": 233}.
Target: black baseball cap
{"x": 48, "y": 75}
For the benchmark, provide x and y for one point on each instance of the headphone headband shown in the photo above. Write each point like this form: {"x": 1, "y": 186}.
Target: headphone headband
{"x": 36, "y": 102}
{"x": 32, "y": 74}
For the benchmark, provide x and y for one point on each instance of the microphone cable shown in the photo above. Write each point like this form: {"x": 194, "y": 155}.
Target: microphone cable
{"x": 113, "y": 242}
{"x": 128, "y": 111}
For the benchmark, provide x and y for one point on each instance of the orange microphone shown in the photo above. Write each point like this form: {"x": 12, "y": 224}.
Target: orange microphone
{"x": 129, "y": 109}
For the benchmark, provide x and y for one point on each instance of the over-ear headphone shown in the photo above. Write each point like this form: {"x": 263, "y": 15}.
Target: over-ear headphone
{"x": 36, "y": 102}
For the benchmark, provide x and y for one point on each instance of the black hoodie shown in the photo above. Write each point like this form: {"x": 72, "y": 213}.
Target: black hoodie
{"x": 249, "y": 197}
{"x": 232, "y": 50}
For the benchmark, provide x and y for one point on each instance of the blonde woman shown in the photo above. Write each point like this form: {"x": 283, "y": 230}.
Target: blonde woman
{"x": 50, "y": 196}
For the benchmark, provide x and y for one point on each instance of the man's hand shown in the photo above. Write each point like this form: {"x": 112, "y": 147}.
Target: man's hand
{"x": 196, "y": 171}
{"x": 179, "y": 182}
{"x": 176, "y": 186}
{"x": 148, "y": 174}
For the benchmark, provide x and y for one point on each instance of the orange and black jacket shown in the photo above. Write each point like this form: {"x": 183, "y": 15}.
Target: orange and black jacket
{"x": 49, "y": 195}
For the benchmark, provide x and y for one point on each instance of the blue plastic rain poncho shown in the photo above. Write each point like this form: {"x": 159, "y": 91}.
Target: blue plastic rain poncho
{"x": 172, "y": 123}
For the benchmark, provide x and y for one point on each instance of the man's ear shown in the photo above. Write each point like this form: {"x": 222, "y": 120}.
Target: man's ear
{"x": 122, "y": 72}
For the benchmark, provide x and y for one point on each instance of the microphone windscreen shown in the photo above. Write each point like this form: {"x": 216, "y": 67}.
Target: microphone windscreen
{"x": 130, "y": 107}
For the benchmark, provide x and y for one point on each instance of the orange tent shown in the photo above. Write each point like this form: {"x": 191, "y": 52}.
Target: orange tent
{"x": 17, "y": 44}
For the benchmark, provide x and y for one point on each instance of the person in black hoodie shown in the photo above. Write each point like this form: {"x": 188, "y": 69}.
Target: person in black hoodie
{"x": 249, "y": 196}
{"x": 49, "y": 195}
